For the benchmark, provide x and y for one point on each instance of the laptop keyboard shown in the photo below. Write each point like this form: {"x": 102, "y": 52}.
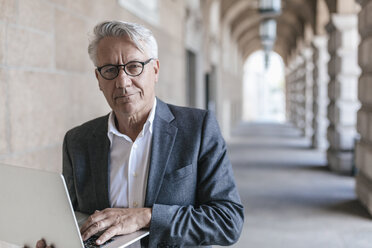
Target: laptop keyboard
{"x": 91, "y": 242}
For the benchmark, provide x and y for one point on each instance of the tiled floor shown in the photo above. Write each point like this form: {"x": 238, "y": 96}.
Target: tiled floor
{"x": 290, "y": 197}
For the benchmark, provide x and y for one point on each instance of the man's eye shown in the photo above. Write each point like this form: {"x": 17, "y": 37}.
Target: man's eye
{"x": 133, "y": 66}
{"x": 109, "y": 70}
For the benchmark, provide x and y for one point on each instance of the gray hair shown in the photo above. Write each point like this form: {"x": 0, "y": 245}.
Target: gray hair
{"x": 137, "y": 33}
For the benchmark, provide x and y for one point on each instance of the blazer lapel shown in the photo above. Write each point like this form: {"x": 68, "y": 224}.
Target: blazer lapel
{"x": 100, "y": 164}
{"x": 164, "y": 135}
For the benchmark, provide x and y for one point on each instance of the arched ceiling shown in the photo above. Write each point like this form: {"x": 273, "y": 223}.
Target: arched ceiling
{"x": 247, "y": 36}
{"x": 244, "y": 19}
{"x": 232, "y": 8}
{"x": 343, "y": 6}
{"x": 282, "y": 47}
{"x": 332, "y": 5}
{"x": 253, "y": 45}
{"x": 238, "y": 30}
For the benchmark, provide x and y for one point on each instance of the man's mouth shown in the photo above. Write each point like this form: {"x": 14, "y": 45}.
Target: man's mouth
{"x": 123, "y": 96}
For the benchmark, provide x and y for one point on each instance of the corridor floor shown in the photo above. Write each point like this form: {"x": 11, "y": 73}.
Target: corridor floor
{"x": 291, "y": 199}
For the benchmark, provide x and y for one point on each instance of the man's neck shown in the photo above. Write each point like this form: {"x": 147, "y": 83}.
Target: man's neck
{"x": 132, "y": 125}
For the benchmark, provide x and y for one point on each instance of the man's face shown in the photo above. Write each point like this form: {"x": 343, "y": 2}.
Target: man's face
{"x": 125, "y": 94}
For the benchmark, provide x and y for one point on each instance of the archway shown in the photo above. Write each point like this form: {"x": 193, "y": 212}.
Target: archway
{"x": 264, "y": 88}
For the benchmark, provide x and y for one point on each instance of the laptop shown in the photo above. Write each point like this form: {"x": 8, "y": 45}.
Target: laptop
{"x": 35, "y": 204}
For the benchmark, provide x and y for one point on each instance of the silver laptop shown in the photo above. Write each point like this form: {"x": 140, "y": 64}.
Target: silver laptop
{"x": 35, "y": 204}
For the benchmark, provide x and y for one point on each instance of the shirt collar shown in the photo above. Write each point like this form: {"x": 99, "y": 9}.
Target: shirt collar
{"x": 151, "y": 117}
{"x": 111, "y": 130}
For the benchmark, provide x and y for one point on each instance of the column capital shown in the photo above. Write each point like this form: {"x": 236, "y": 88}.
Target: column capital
{"x": 343, "y": 33}
{"x": 320, "y": 41}
{"x": 340, "y": 22}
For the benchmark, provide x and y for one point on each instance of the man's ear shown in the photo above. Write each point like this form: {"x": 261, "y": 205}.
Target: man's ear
{"x": 156, "y": 70}
{"x": 96, "y": 73}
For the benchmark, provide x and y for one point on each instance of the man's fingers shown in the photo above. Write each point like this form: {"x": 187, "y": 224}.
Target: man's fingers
{"x": 96, "y": 227}
{"x": 116, "y": 221}
{"x": 111, "y": 232}
{"x": 41, "y": 244}
{"x": 97, "y": 216}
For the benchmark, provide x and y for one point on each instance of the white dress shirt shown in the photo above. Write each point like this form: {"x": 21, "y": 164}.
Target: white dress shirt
{"x": 129, "y": 163}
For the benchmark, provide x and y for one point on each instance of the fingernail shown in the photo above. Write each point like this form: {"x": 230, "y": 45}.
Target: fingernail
{"x": 99, "y": 241}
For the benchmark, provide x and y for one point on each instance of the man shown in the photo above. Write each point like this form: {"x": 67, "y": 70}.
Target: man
{"x": 148, "y": 164}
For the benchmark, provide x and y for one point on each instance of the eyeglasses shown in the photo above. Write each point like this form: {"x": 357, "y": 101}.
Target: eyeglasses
{"x": 132, "y": 68}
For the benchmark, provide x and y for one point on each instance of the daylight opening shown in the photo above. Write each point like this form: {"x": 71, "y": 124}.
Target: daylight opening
{"x": 264, "y": 88}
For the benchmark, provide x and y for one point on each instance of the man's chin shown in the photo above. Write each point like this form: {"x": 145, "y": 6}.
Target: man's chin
{"x": 126, "y": 108}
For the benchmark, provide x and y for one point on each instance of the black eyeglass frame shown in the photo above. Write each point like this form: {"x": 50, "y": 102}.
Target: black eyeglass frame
{"x": 124, "y": 66}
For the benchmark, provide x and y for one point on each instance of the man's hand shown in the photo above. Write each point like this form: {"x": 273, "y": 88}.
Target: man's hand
{"x": 41, "y": 244}
{"x": 115, "y": 221}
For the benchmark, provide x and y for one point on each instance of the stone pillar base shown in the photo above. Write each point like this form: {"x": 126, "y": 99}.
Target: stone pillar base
{"x": 319, "y": 143}
{"x": 363, "y": 189}
{"x": 341, "y": 161}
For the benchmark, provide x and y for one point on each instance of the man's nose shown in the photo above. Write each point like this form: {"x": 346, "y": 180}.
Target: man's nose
{"x": 123, "y": 80}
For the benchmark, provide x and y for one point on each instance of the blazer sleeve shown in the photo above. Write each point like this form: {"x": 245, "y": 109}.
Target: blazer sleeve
{"x": 68, "y": 173}
{"x": 217, "y": 217}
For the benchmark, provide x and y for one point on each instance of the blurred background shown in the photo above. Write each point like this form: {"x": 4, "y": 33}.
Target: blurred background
{"x": 289, "y": 81}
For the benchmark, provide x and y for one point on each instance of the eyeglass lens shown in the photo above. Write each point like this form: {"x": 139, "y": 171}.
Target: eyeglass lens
{"x": 112, "y": 71}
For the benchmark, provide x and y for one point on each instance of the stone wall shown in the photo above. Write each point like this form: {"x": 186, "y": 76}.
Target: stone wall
{"x": 364, "y": 146}
{"x": 47, "y": 82}
{"x": 229, "y": 85}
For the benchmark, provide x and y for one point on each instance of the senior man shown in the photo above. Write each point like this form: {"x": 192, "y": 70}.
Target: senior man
{"x": 148, "y": 164}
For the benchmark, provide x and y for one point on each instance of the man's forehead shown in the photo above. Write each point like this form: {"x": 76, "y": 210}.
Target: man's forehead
{"x": 108, "y": 46}
{"x": 110, "y": 41}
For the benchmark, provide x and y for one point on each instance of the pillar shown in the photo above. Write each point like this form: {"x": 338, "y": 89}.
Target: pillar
{"x": 290, "y": 93}
{"x": 307, "y": 81}
{"x": 343, "y": 72}
{"x": 295, "y": 74}
{"x": 364, "y": 123}
{"x": 299, "y": 94}
{"x": 320, "y": 81}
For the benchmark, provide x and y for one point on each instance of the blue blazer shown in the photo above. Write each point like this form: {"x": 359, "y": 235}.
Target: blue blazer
{"x": 190, "y": 187}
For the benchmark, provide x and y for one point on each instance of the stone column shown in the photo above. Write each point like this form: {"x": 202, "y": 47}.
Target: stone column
{"x": 296, "y": 92}
{"x": 287, "y": 95}
{"x": 290, "y": 94}
{"x": 307, "y": 81}
{"x": 363, "y": 152}
{"x": 320, "y": 102}
{"x": 299, "y": 89}
{"x": 343, "y": 71}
